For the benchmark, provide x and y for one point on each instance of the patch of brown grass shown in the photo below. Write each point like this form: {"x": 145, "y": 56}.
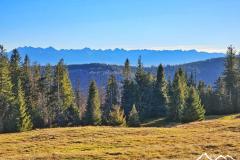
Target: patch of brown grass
{"x": 186, "y": 141}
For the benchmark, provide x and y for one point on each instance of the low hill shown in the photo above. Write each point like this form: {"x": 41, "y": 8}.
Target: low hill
{"x": 218, "y": 136}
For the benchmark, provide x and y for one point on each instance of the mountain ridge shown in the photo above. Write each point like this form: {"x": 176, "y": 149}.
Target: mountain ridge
{"x": 114, "y": 56}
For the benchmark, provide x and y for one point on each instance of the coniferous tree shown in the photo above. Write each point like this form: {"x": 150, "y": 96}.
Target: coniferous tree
{"x": 45, "y": 87}
{"x": 193, "y": 110}
{"x": 116, "y": 116}
{"x": 93, "y": 111}
{"x": 25, "y": 122}
{"x": 111, "y": 98}
{"x": 178, "y": 97}
{"x": 207, "y": 97}
{"x": 63, "y": 100}
{"x": 8, "y": 111}
{"x": 27, "y": 83}
{"x": 160, "y": 97}
{"x": 231, "y": 79}
{"x": 15, "y": 70}
{"x": 127, "y": 70}
{"x": 143, "y": 87}
{"x": 128, "y": 89}
{"x": 71, "y": 112}
{"x": 133, "y": 120}
{"x": 37, "y": 106}
{"x": 79, "y": 99}
{"x": 221, "y": 100}
{"x": 55, "y": 101}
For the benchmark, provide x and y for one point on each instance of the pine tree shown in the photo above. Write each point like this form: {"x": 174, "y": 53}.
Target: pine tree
{"x": 37, "y": 106}
{"x": 143, "y": 87}
{"x": 127, "y": 70}
{"x": 93, "y": 111}
{"x": 27, "y": 83}
{"x": 79, "y": 99}
{"x": 8, "y": 111}
{"x": 178, "y": 97}
{"x": 207, "y": 97}
{"x": 15, "y": 70}
{"x": 55, "y": 103}
{"x": 111, "y": 98}
{"x": 231, "y": 79}
{"x": 193, "y": 109}
{"x": 67, "y": 91}
{"x": 221, "y": 100}
{"x": 160, "y": 97}
{"x": 116, "y": 116}
{"x": 45, "y": 85}
{"x": 63, "y": 107}
{"x": 128, "y": 89}
{"x": 133, "y": 120}
{"x": 25, "y": 122}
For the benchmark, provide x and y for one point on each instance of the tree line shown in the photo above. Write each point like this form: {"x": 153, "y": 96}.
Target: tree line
{"x": 34, "y": 96}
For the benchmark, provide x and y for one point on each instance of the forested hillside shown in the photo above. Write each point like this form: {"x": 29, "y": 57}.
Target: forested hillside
{"x": 208, "y": 71}
{"x": 34, "y": 96}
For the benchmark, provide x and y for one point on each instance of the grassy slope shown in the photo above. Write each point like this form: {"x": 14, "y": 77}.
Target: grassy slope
{"x": 218, "y": 136}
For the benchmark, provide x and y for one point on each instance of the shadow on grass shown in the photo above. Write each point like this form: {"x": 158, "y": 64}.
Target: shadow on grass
{"x": 163, "y": 122}
{"x": 159, "y": 122}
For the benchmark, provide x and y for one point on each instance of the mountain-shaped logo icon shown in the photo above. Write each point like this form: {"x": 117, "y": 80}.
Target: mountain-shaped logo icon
{"x": 205, "y": 156}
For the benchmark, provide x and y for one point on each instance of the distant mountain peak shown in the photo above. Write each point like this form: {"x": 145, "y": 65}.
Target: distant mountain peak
{"x": 115, "y": 56}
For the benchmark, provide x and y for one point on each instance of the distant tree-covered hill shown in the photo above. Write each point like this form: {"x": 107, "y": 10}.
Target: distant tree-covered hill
{"x": 208, "y": 71}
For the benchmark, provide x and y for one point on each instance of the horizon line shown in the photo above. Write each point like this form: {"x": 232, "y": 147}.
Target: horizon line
{"x": 218, "y": 51}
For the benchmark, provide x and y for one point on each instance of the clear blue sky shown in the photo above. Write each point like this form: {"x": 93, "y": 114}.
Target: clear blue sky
{"x": 152, "y": 24}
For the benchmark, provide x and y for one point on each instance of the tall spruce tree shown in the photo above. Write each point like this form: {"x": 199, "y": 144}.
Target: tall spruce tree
{"x": 25, "y": 122}
{"x": 144, "y": 86}
{"x": 93, "y": 111}
{"x": 27, "y": 83}
{"x": 221, "y": 100}
{"x": 15, "y": 70}
{"x": 79, "y": 99}
{"x": 178, "y": 97}
{"x": 112, "y": 97}
{"x": 37, "y": 106}
{"x": 127, "y": 70}
{"x": 231, "y": 80}
{"x": 160, "y": 97}
{"x": 63, "y": 107}
{"x": 193, "y": 110}
{"x": 45, "y": 87}
{"x": 71, "y": 112}
{"x": 128, "y": 89}
{"x": 8, "y": 110}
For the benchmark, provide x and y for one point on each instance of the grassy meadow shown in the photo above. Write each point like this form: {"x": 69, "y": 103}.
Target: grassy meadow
{"x": 217, "y": 135}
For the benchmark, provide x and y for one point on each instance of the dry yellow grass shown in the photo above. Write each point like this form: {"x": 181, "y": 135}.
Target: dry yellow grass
{"x": 220, "y": 136}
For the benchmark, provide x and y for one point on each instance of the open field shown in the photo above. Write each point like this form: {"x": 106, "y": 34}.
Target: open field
{"x": 188, "y": 141}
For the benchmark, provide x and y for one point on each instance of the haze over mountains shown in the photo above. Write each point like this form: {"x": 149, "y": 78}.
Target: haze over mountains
{"x": 116, "y": 56}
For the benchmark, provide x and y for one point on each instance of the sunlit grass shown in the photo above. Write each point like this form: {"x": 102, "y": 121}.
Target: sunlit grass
{"x": 188, "y": 141}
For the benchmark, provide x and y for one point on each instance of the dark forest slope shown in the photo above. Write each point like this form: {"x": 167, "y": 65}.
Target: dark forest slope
{"x": 207, "y": 71}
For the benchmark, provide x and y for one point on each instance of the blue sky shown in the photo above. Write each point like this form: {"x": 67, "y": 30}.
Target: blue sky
{"x": 208, "y": 25}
